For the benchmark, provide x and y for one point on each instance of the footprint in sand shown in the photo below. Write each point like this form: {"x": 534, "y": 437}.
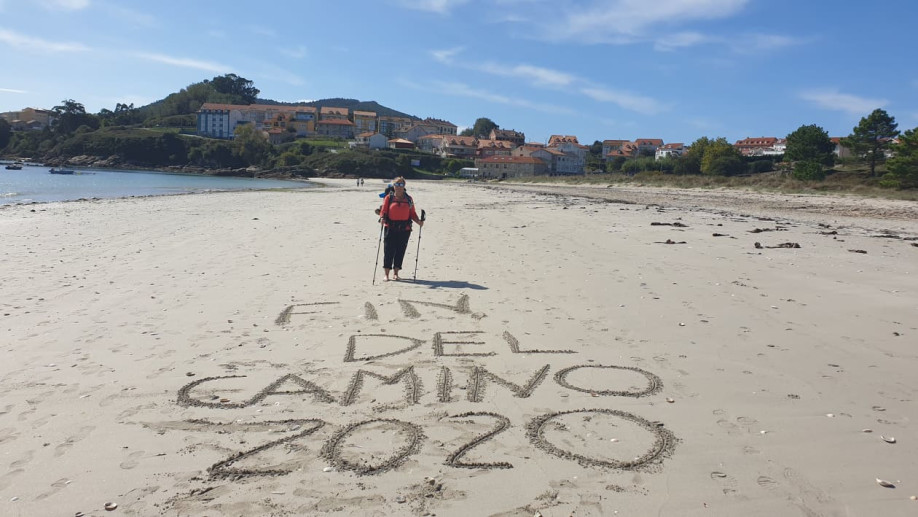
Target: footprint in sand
{"x": 62, "y": 449}
{"x": 8, "y": 434}
{"x": 18, "y": 464}
{"x": 767, "y": 482}
{"x": 56, "y": 487}
{"x": 727, "y": 483}
{"x": 7, "y": 478}
{"x": 132, "y": 462}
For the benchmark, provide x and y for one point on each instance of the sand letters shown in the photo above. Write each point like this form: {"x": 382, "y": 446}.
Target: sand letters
{"x": 379, "y": 353}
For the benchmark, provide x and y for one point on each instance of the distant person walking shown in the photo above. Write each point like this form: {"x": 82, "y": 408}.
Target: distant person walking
{"x": 396, "y": 213}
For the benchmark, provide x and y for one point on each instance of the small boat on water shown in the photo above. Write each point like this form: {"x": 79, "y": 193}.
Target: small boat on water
{"x": 14, "y": 167}
{"x": 61, "y": 171}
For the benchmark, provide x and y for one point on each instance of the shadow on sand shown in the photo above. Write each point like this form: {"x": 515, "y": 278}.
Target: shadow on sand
{"x": 444, "y": 284}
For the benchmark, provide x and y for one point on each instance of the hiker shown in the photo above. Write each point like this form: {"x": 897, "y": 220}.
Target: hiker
{"x": 397, "y": 213}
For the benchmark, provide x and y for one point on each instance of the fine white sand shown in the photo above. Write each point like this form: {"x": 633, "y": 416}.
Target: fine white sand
{"x": 228, "y": 354}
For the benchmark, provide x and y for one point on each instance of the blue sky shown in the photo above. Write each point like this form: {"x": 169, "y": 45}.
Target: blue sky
{"x": 597, "y": 69}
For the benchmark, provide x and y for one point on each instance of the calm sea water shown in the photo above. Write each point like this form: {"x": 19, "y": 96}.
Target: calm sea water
{"x": 36, "y": 184}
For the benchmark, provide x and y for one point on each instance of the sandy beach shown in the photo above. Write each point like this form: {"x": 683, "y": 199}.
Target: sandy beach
{"x": 585, "y": 351}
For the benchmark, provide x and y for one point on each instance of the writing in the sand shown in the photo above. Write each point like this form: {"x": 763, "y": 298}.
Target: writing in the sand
{"x": 470, "y": 345}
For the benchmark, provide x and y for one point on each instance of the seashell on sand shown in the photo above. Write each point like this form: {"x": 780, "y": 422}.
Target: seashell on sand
{"x": 111, "y": 506}
{"x": 885, "y": 484}
{"x": 888, "y": 439}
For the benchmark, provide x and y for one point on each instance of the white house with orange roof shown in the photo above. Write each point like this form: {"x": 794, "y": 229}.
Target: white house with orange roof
{"x": 755, "y": 146}
{"x": 370, "y": 140}
{"x": 673, "y": 150}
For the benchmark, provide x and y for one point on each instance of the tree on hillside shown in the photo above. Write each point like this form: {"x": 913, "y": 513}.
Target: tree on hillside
{"x": 690, "y": 161}
{"x": 250, "y": 145}
{"x": 232, "y": 84}
{"x": 810, "y": 143}
{"x": 4, "y": 133}
{"x": 903, "y": 167}
{"x": 872, "y": 136}
{"x": 481, "y": 129}
{"x": 70, "y": 115}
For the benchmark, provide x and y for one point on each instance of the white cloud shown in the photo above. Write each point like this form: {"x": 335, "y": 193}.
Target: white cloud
{"x": 11, "y": 90}
{"x": 754, "y": 43}
{"x": 207, "y": 66}
{"x": 65, "y": 5}
{"x": 433, "y": 6}
{"x": 132, "y": 16}
{"x": 446, "y": 55}
{"x": 542, "y": 77}
{"x": 832, "y": 99}
{"x": 538, "y": 75}
{"x": 679, "y": 40}
{"x": 463, "y": 90}
{"x": 23, "y": 42}
{"x": 298, "y": 52}
{"x": 264, "y": 31}
{"x": 629, "y": 101}
{"x": 624, "y": 21}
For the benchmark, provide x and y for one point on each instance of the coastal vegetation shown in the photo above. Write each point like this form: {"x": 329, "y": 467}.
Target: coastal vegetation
{"x": 162, "y": 135}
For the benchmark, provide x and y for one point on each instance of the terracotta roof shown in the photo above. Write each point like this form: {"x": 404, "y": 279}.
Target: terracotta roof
{"x": 673, "y": 146}
{"x": 439, "y": 122}
{"x": 330, "y": 110}
{"x": 495, "y": 144}
{"x": 648, "y": 141}
{"x": 615, "y": 142}
{"x": 368, "y": 134}
{"x": 336, "y": 122}
{"x": 510, "y": 159}
{"x": 468, "y": 141}
{"x": 250, "y": 107}
{"x": 762, "y": 141}
{"x": 364, "y": 113}
{"x": 558, "y": 139}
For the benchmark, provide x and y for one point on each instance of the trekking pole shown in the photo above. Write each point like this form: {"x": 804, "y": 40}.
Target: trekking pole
{"x": 381, "y": 228}
{"x": 418, "y": 254}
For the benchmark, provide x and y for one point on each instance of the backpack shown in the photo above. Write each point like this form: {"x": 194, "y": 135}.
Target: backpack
{"x": 396, "y": 225}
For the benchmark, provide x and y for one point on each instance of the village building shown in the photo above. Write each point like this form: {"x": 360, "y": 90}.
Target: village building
{"x": 370, "y": 140}
{"x": 389, "y": 125}
{"x": 430, "y": 143}
{"x": 493, "y": 148}
{"x": 333, "y": 113}
{"x": 220, "y": 120}
{"x": 400, "y": 143}
{"x": 674, "y": 150}
{"x": 755, "y": 146}
{"x": 647, "y": 146}
{"x": 335, "y": 128}
{"x": 459, "y": 147}
{"x": 441, "y": 127}
{"x": 508, "y": 135}
{"x": 364, "y": 121}
{"x": 502, "y": 167}
{"x": 28, "y": 119}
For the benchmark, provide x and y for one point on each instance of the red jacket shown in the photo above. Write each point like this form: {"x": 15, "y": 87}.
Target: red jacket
{"x": 398, "y": 214}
